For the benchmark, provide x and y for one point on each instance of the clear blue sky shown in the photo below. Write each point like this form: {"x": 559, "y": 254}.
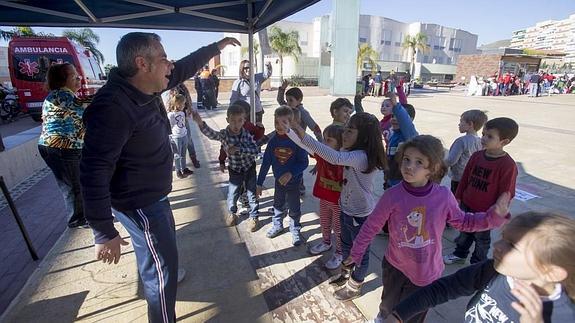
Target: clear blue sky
{"x": 490, "y": 20}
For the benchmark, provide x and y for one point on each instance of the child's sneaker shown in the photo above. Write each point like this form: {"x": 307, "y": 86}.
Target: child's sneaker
{"x": 296, "y": 239}
{"x": 186, "y": 171}
{"x": 319, "y": 248}
{"x": 334, "y": 262}
{"x": 196, "y": 163}
{"x": 340, "y": 279}
{"x": 274, "y": 232}
{"x": 253, "y": 224}
{"x": 453, "y": 259}
{"x": 351, "y": 290}
{"x": 231, "y": 219}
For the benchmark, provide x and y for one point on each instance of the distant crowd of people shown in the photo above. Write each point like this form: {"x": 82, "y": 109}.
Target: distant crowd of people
{"x": 532, "y": 84}
{"x": 377, "y": 85}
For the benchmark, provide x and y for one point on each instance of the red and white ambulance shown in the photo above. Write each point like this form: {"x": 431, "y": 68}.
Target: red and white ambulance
{"x": 29, "y": 59}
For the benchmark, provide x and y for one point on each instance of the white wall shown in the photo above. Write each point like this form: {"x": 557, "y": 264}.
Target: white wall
{"x": 4, "y": 71}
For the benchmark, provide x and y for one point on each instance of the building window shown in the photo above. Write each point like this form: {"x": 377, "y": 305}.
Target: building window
{"x": 426, "y": 59}
{"x": 386, "y": 37}
{"x": 399, "y": 40}
{"x": 439, "y": 43}
{"x": 362, "y": 40}
{"x": 303, "y": 38}
{"x": 396, "y": 57}
{"x": 455, "y": 45}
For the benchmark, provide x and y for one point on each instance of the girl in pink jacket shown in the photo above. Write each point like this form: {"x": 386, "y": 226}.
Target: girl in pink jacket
{"x": 416, "y": 211}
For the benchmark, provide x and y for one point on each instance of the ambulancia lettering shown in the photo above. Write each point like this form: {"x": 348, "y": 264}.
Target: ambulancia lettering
{"x": 40, "y": 50}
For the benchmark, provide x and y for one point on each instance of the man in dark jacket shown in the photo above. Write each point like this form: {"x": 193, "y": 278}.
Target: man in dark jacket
{"x": 126, "y": 166}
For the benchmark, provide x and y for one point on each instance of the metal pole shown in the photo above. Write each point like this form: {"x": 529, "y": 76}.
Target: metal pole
{"x": 18, "y": 219}
{"x": 252, "y": 75}
{"x": 251, "y": 58}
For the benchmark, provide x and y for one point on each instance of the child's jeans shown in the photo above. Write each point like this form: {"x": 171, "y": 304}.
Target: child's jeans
{"x": 179, "y": 148}
{"x": 290, "y": 194}
{"x": 464, "y": 241}
{"x": 350, "y": 227}
{"x": 237, "y": 181}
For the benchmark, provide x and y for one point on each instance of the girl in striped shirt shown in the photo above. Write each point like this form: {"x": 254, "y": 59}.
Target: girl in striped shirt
{"x": 361, "y": 155}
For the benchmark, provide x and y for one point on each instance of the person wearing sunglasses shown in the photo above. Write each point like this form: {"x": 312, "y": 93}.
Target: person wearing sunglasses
{"x": 241, "y": 87}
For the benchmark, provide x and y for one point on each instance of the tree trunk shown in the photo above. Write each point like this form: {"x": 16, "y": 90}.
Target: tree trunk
{"x": 281, "y": 68}
{"x": 413, "y": 53}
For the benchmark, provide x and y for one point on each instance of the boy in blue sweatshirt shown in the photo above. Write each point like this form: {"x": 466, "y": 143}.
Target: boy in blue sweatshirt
{"x": 288, "y": 161}
{"x": 403, "y": 129}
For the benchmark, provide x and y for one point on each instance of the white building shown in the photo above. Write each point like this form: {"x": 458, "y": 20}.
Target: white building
{"x": 4, "y": 71}
{"x": 384, "y": 35}
{"x": 445, "y": 44}
{"x": 550, "y": 35}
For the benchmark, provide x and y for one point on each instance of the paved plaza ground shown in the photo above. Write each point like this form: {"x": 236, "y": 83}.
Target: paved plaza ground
{"x": 237, "y": 276}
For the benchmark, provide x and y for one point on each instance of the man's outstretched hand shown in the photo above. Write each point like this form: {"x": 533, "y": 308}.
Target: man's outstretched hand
{"x": 228, "y": 41}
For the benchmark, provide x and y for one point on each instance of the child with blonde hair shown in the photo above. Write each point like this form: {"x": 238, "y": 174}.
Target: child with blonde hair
{"x": 470, "y": 123}
{"x": 531, "y": 277}
{"x": 179, "y": 136}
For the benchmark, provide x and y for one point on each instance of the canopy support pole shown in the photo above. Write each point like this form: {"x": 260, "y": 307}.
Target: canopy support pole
{"x": 251, "y": 58}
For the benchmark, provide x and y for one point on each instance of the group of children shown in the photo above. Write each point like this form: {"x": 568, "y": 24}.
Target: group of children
{"x": 532, "y": 275}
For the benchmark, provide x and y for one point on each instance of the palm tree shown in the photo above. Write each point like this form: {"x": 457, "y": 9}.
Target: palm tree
{"x": 88, "y": 39}
{"x": 246, "y": 55}
{"x": 366, "y": 54}
{"x": 284, "y": 44}
{"x": 25, "y": 31}
{"x": 414, "y": 44}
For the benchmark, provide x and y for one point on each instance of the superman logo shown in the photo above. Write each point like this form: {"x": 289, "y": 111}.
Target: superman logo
{"x": 283, "y": 154}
